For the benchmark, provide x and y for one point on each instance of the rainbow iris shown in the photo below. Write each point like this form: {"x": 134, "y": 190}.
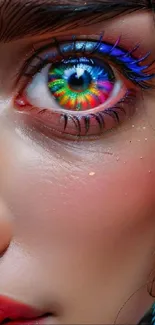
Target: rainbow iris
{"x": 80, "y": 84}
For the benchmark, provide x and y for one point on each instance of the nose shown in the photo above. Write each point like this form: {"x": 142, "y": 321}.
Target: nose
{"x": 5, "y": 227}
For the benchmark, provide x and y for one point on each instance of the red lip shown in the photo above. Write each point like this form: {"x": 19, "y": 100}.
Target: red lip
{"x": 10, "y": 309}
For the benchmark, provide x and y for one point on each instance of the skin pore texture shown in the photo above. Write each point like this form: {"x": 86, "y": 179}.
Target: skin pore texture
{"x": 77, "y": 225}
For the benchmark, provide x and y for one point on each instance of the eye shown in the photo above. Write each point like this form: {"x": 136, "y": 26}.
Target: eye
{"x": 82, "y": 87}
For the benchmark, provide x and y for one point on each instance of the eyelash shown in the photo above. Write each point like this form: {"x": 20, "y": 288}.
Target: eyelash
{"x": 124, "y": 59}
{"x": 130, "y": 66}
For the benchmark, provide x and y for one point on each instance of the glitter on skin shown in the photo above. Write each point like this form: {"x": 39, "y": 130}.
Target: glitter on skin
{"x": 91, "y": 173}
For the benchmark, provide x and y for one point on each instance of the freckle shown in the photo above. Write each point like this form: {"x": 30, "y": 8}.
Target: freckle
{"x": 91, "y": 173}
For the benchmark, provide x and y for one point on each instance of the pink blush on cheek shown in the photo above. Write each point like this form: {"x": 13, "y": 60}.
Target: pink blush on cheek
{"x": 124, "y": 195}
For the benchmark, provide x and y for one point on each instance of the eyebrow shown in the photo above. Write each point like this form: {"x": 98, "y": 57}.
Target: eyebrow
{"x": 21, "y": 18}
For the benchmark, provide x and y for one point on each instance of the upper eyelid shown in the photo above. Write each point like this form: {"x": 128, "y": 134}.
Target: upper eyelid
{"x": 47, "y": 46}
{"x": 101, "y": 41}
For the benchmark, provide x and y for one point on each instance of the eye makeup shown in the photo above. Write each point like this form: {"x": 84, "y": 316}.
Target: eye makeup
{"x": 86, "y": 85}
{"x": 133, "y": 68}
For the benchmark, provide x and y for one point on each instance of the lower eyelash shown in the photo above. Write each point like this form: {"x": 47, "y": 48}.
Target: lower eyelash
{"x": 77, "y": 126}
{"x": 100, "y": 116}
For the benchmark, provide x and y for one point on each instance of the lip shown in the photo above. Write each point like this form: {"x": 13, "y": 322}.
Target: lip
{"x": 15, "y": 311}
{"x": 37, "y": 321}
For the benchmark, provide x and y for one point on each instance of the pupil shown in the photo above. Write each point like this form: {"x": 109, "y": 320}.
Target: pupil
{"x": 80, "y": 82}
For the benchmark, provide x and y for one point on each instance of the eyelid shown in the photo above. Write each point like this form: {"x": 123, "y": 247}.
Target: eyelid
{"x": 133, "y": 67}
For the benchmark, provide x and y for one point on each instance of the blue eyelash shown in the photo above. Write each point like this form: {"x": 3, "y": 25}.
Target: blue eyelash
{"x": 131, "y": 67}
{"x": 135, "y": 71}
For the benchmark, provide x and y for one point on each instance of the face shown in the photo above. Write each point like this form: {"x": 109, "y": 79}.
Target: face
{"x": 77, "y": 166}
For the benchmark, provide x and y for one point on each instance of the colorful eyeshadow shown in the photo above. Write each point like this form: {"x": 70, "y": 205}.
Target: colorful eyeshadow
{"x": 80, "y": 84}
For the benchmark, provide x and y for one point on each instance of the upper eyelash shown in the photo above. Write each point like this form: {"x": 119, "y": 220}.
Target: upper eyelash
{"x": 128, "y": 64}
{"x": 139, "y": 77}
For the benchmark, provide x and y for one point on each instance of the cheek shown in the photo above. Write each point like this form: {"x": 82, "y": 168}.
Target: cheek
{"x": 84, "y": 202}
{"x": 91, "y": 196}
{"x": 90, "y": 214}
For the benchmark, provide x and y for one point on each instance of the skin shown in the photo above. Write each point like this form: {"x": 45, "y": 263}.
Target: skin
{"x": 77, "y": 226}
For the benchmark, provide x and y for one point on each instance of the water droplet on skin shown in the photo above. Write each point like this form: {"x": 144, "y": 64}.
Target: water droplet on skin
{"x": 133, "y": 126}
{"x": 91, "y": 173}
{"x": 117, "y": 158}
{"x": 146, "y": 139}
{"x": 144, "y": 127}
{"x": 141, "y": 157}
